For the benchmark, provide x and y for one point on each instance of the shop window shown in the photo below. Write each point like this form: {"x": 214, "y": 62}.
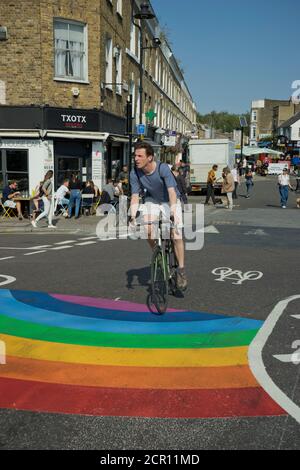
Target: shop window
{"x": 17, "y": 168}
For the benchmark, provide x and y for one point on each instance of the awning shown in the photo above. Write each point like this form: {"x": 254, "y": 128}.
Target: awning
{"x": 122, "y": 139}
{"x": 77, "y": 135}
{"x": 21, "y": 133}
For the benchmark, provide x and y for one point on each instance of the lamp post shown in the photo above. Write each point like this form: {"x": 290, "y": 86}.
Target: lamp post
{"x": 243, "y": 124}
{"x": 142, "y": 15}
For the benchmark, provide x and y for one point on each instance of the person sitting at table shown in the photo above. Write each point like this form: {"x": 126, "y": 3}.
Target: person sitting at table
{"x": 87, "y": 203}
{"x": 61, "y": 198}
{"x": 9, "y": 192}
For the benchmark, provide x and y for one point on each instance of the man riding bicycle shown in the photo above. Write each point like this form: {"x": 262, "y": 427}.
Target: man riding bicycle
{"x": 156, "y": 181}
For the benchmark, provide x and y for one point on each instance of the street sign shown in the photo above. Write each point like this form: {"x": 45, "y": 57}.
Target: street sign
{"x": 243, "y": 121}
{"x": 141, "y": 129}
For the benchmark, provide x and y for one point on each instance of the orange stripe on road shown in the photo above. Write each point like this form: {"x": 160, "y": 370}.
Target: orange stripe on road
{"x": 128, "y": 377}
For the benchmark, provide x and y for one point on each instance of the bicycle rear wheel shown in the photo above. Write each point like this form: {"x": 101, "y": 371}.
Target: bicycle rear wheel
{"x": 159, "y": 281}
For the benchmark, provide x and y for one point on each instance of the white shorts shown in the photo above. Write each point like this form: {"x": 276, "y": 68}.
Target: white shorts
{"x": 10, "y": 204}
{"x": 151, "y": 211}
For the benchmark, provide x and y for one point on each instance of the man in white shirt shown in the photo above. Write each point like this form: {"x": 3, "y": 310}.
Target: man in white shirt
{"x": 284, "y": 185}
{"x": 61, "y": 193}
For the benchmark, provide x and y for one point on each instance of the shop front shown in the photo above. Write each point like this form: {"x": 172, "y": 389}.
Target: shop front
{"x": 35, "y": 139}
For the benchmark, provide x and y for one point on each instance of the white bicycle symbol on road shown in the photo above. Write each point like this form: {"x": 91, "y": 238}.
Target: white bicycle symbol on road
{"x": 236, "y": 275}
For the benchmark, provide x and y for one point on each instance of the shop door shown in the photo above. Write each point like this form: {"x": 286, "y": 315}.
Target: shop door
{"x": 66, "y": 167}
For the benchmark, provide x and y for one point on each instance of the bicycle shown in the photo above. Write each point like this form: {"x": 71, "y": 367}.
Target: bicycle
{"x": 163, "y": 268}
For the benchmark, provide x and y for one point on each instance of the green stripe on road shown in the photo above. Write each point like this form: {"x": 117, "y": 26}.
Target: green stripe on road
{"x": 35, "y": 331}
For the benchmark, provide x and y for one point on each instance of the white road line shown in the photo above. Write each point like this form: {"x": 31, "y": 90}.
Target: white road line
{"x": 66, "y": 242}
{"x": 8, "y": 257}
{"x": 38, "y": 247}
{"x": 257, "y": 364}
{"x": 85, "y": 243}
{"x": 7, "y": 280}
{"x": 35, "y": 253}
{"x": 88, "y": 238}
{"x": 61, "y": 248}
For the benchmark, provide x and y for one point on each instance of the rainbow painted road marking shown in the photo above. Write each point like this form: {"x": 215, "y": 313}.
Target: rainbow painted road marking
{"x": 87, "y": 356}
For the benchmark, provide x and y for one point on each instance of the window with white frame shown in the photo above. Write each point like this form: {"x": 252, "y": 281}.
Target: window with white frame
{"x": 254, "y": 116}
{"x": 253, "y": 132}
{"x": 119, "y": 7}
{"x": 108, "y": 62}
{"x": 118, "y": 57}
{"x": 132, "y": 93}
{"x": 133, "y": 39}
{"x": 70, "y": 50}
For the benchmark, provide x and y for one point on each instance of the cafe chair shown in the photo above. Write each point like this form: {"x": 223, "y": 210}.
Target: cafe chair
{"x": 7, "y": 212}
{"x": 60, "y": 208}
{"x": 87, "y": 201}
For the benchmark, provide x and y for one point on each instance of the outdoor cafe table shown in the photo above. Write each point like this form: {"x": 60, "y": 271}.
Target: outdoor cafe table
{"x": 24, "y": 200}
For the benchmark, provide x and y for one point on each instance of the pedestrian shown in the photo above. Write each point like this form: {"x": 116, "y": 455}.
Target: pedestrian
{"x": 181, "y": 185}
{"x": 236, "y": 178}
{"x": 284, "y": 186}
{"x": 211, "y": 180}
{"x": 249, "y": 181}
{"x": 47, "y": 193}
{"x": 228, "y": 187}
{"x": 75, "y": 187}
{"x": 124, "y": 179}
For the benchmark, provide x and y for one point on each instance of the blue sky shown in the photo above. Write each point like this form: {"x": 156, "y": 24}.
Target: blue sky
{"x": 234, "y": 51}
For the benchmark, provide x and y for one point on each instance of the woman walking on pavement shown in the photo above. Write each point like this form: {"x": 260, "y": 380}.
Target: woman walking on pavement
{"x": 47, "y": 191}
{"x": 249, "y": 181}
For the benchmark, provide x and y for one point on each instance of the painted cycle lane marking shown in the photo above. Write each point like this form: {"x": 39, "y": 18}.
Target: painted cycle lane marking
{"x": 257, "y": 364}
{"x": 66, "y": 369}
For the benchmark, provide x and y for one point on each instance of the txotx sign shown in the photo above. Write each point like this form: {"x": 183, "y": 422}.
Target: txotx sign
{"x": 72, "y": 119}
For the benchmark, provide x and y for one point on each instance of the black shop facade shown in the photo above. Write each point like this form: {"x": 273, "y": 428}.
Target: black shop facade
{"x": 35, "y": 139}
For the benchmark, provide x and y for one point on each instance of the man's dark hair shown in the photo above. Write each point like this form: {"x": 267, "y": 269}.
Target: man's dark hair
{"x": 215, "y": 167}
{"x": 144, "y": 145}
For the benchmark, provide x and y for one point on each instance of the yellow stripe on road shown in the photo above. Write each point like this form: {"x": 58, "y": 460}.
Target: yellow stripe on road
{"x": 46, "y": 351}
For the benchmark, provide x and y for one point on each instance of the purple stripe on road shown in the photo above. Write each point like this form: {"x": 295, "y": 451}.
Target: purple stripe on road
{"x": 106, "y": 303}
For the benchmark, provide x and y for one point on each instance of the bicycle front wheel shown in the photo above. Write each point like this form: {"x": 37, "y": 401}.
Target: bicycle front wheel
{"x": 159, "y": 281}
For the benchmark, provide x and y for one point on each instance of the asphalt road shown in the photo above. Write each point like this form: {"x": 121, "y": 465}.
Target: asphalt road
{"x": 119, "y": 270}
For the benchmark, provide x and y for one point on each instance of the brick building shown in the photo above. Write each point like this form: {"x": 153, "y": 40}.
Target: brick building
{"x": 66, "y": 71}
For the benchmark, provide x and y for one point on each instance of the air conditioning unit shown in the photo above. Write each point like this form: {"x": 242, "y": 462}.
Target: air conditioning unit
{"x": 3, "y": 33}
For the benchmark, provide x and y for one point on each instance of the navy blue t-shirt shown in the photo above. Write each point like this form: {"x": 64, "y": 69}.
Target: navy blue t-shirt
{"x": 155, "y": 185}
{"x": 7, "y": 191}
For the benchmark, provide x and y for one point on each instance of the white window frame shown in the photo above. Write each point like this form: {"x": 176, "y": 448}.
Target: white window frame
{"x": 119, "y": 72}
{"x": 108, "y": 62}
{"x": 120, "y": 7}
{"x": 68, "y": 78}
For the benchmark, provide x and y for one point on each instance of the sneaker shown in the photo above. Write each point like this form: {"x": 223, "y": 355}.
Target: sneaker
{"x": 181, "y": 280}
{"x": 34, "y": 224}
{"x": 51, "y": 226}
{"x": 283, "y": 207}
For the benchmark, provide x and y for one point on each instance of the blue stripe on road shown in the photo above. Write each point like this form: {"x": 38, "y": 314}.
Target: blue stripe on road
{"x": 46, "y": 302}
{"x": 14, "y": 309}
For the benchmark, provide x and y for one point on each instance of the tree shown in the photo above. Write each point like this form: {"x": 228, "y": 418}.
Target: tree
{"x": 223, "y": 121}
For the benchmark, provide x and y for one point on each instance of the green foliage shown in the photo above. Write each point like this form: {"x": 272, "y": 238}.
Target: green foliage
{"x": 223, "y": 121}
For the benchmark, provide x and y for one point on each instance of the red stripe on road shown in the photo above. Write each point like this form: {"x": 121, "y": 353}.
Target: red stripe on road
{"x": 53, "y": 398}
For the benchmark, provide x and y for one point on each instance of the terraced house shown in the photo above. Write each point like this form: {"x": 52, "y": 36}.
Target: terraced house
{"x": 68, "y": 70}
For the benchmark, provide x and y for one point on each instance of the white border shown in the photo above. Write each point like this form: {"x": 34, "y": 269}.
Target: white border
{"x": 257, "y": 365}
